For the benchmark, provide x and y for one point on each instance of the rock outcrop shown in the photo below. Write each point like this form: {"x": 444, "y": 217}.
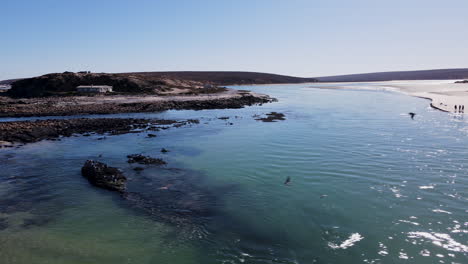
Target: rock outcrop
{"x": 32, "y": 131}
{"x": 100, "y": 175}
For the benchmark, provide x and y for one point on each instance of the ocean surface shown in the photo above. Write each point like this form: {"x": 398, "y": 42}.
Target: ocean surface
{"x": 368, "y": 185}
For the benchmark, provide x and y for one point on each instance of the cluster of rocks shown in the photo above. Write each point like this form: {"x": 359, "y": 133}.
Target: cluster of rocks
{"x": 464, "y": 81}
{"x": 32, "y": 131}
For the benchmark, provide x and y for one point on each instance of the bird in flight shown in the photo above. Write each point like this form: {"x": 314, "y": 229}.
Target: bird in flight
{"x": 412, "y": 115}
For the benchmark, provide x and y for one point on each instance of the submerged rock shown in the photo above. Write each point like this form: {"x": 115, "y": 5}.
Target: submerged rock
{"x": 271, "y": 117}
{"x": 141, "y": 159}
{"x": 99, "y": 174}
{"x": 163, "y": 150}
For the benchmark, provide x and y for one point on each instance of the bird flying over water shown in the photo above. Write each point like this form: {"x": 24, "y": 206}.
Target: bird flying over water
{"x": 412, "y": 115}
{"x": 288, "y": 180}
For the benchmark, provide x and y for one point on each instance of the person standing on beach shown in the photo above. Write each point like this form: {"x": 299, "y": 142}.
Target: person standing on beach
{"x": 455, "y": 108}
{"x": 463, "y": 108}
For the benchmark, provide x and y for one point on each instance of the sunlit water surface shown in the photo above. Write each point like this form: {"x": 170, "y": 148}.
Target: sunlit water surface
{"x": 368, "y": 185}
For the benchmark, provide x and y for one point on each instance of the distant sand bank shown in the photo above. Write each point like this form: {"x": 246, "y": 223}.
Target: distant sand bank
{"x": 444, "y": 94}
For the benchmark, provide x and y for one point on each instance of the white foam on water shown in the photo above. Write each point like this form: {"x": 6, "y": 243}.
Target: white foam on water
{"x": 441, "y": 240}
{"x": 409, "y": 222}
{"x": 441, "y": 211}
{"x": 348, "y": 242}
{"x": 403, "y": 255}
{"x": 457, "y": 228}
{"x": 396, "y": 192}
{"x": 426, "y": 187}
{"x": 383, "y": 249}
{"x": 425, "y": 253}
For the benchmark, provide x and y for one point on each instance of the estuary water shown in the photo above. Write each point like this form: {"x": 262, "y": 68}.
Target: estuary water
{"x": 368, "y": 185}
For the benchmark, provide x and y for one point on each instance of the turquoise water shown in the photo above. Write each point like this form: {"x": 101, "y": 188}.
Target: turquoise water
{"x": 368, "y": 185}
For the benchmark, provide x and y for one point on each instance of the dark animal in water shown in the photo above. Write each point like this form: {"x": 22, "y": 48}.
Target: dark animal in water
{"x": 288, "y": 180}
{"x": 412, "y": 115}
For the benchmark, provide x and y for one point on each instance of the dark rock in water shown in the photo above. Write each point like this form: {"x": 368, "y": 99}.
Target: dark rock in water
{"x": 271, "y": 117}
{"x": 223, "y": 117}
{"x": 464, "y": 81}
{"x": 36, "y": 221}
{"x": 163, "y": 150}
{"x": 99, "y": 174}
{"x": 288, "y": 180}
{"x": 151, "y": 135}
{"x": 3, "y": 224}
{"x": 138, "y": 168}
{"x": 141, "y": 159}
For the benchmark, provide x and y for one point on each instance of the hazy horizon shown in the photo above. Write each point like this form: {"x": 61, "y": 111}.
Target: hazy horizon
{"x": 297, "y": 38}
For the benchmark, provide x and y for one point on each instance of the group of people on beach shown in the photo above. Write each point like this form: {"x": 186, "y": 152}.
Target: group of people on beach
{"x": 461, "y": 109}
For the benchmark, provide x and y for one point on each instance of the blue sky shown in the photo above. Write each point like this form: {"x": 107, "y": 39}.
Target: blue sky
{"x": 295, "y": 37}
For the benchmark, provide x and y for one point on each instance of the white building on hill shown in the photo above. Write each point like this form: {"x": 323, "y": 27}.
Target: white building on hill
{"x": 94, "y": 88}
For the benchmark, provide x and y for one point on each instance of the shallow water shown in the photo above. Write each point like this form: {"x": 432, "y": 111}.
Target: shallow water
{"x": 368, "y": 184}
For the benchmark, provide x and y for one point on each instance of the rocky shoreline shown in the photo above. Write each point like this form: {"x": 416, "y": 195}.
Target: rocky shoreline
{"x": 33, "y": 131}
{"x": 63, "y": 106}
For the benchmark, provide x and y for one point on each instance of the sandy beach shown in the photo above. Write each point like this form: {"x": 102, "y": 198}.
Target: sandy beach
{"x": 444, "y": 94}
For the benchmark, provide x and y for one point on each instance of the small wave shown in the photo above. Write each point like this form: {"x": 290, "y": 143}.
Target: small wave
{"x": 348, "y": 242}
